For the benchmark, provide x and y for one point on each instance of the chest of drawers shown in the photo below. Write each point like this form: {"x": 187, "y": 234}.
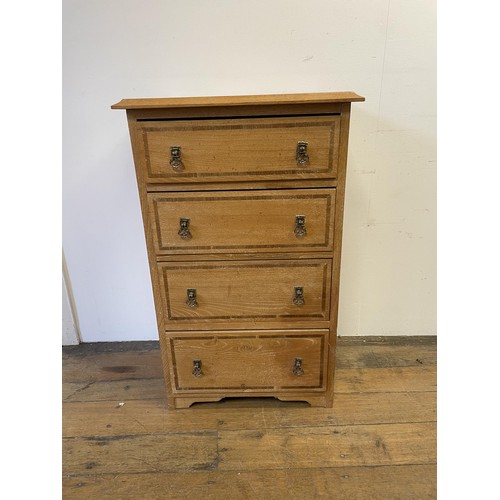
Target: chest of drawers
{"x": 242, "y": 200}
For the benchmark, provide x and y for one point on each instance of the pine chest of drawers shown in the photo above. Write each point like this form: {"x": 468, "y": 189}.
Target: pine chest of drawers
{"x": 242, "y": 201}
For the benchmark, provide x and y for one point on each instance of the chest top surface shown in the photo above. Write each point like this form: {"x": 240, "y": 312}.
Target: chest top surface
{"x": 238, "y": 100}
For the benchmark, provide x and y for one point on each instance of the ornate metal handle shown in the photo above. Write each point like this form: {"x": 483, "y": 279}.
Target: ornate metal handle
{"x": 301, "y": 154}
{"x": 191, "y": 297}
{"x": 298, "y": 296}
{"x": 297, "y": 367}
{"x": 175, "y": 158}
{"x": 184, "y": 232}
{"x": 300, "y": 226}
{"x": 197, "y": 372}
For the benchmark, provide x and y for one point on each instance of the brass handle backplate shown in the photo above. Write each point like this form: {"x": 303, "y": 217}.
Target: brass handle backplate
{"x": 184, "y": 232}
{"x": 197, "y": 372}
{"x": 300, "y": 226}
{"x": 301, "y": 154}
{"x": 297, "y": 367}
{"x": 175, "y": 158}
{"x": 191, "y": 297}
{"x": 298, "y": 296}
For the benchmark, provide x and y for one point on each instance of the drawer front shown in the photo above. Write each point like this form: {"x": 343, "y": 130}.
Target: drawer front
{"x": 239, "y": 149}
{"x": 243, "y": 221}
{"x": 239, "y": 291}
{"x": 246, "y": 361}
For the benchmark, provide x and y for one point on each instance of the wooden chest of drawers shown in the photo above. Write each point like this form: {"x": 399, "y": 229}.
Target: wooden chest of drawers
{"x": 242, "y": 200}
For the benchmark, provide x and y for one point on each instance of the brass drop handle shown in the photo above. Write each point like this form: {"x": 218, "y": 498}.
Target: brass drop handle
{"x": 297, "y": 367}
{"x": 298, "y": 296}
{"x": 300, "y": 226}
{"x": 175, "y": 158}
{"x": 301, "y": 154}
{"x": 197, "y": 372}
{"x": 184, "y": 231}
{"x": 191, "y": 297}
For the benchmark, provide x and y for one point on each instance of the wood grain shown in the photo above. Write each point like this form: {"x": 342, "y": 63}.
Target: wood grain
{"x": 244, "y": 291}
{"x": 407, "y": 482}
{"x": 108, "y": 418}
{"x": 114, "y": 366}
{"x": 268, "y": 360}
{"x": 182, "y": 102}
{"x": 140, "y": 453}
{"x": 243, "y": 111}
{"x": 252, "y": 185}
{"x": 243, "y": 221}
{"x": 305, "y": 447}
{"x": 310, "y": 447}
{"x": 253, "y": 447}
{"x": 395, "y": 379}
{"x": 270, "y": 255}
{"x": 358, "y": 355}
{"x": 124, "y": 360}
{"x": 358, "y": 380}
{"x": 240, "y": 149}
{"x": 141, "y": 185}
{"x": 232, "y": 141}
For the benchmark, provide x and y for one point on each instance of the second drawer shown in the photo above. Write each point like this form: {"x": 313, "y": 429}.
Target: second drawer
{"x": 264, "y": 221}
{"x": 252, "y": 291}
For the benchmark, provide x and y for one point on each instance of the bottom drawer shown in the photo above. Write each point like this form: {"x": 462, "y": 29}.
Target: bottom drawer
{"x": 249, "y": 361}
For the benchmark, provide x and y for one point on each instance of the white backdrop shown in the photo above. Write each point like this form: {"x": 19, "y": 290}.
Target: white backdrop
{"x": 382, "y": 49}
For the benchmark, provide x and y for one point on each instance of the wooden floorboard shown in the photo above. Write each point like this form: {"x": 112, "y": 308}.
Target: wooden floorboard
{"x": 378, "y": 440}
{"x": 109, "y": 418}
{"x": 408, "y": 482}
{"x": 406, "y": 379}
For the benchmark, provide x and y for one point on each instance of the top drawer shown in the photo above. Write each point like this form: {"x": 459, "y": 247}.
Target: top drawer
{"x": 239, "y": 149}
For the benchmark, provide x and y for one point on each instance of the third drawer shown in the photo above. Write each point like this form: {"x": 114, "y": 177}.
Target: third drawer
{"x": 245, "y": 291}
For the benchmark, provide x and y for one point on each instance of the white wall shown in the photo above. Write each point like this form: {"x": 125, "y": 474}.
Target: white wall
{"x": 381, "y": 49}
